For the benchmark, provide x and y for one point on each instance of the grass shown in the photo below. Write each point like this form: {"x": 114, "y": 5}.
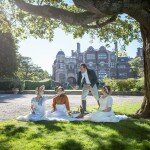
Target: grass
{"x": 129, "y": 134}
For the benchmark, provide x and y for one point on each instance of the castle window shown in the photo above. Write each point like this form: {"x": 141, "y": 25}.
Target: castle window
{"x": 102, "y": 74}
{"x": 102, "y": 56}
{"x": 90, "y": 64}
{"x": 122, "y": 66}
{"x": 113, "y": 57}
{"x": 61, "y": 66}
{"x": 123, "y": 74}
{"x": 80, "y": 57}
{"x": 90, "y": 56}
{"x": 102, "y": 63}
{"x": 112, "y": 65}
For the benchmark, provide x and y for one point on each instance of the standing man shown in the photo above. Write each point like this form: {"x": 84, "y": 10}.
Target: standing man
{"x": 87, "y": 79}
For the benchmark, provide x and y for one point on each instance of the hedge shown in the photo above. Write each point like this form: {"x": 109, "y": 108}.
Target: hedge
{"x": 7, "y": 84}
{"x": 116, "y": 84}
{"x": 125, "y": 84}
{"x": 31, "y": 85}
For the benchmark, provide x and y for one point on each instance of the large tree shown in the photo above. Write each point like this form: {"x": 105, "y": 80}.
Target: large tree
{"x": 102, "y": 18}
{"x": 29, "y": 71}
{"x": 136, "y": 65}
{"x": 8, "y": 49}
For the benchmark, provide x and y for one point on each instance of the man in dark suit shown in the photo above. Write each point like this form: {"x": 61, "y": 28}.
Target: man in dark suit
{"x": 87, "y": 79}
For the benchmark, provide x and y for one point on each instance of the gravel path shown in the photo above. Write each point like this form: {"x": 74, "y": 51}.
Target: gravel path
{"x": 12, "y": 105}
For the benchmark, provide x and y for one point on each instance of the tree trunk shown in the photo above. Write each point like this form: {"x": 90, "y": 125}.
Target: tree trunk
{"x": 144, "y": 111}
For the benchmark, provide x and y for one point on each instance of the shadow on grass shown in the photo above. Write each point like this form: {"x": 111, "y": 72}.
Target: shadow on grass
{"x": 4, "y": 145}
{"x": 41, "y": 126}
{"x": 127, "y": 134}
{"x": 71, "y": 145}
{"x": 128, "y": 130}
{"x": 12, "y": 130}
{"x": 111, "y": 142}
{"x": 50, "y": 126}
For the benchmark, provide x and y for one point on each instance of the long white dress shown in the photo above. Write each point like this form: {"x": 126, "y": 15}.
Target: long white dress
{"x": 39, "y": 110}
{"x": 101, "y": 116}
{"x": 60, "y": 114}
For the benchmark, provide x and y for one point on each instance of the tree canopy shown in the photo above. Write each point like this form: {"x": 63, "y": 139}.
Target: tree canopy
{"x": 27, "y": 70}
{"x": 42, "y": 17}
{"x": 8, "y": 48}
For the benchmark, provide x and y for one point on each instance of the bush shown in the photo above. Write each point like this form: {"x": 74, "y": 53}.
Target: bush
{"x": 125, "y": 84}
{"x": 8, "y": 84}
{"x": 139, "y": 85}
{"x": 31, "y": 85}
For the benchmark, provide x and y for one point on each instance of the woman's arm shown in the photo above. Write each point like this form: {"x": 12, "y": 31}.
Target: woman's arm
{"x": 32, "y": 107}
{"x": 52, "y": 97}
{"x": 109, "y": 104}
{"x": 32, "y": 104}
{"x": 54, "y": 104}
{"x": 67, "y": 103}
{"x": 98, "y": 104}
{"x": 48, "y": 97}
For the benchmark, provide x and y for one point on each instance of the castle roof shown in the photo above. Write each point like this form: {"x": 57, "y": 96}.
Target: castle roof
{"x": 60, "y": 53}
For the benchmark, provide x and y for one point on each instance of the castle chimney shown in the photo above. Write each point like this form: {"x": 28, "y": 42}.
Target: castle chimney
{"x": 78, "y": 47}
{"x": 72, "y": 53}
{"x": 116, "y": 46}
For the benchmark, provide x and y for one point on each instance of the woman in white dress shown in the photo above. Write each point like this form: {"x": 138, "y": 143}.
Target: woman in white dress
{"x": 60, "y": 107}
{"x": 37, "y": 106}
{"x": 105, "y": 113}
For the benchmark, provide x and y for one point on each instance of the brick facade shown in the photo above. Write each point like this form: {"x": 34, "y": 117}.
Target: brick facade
{"x": 104, "y": 62}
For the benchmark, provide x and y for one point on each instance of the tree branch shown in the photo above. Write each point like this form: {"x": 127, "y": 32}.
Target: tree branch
{"x": 100, "y": 25}
{"x": 138, "y": 4}
{"x": 87, "y": 5}
{"x": 142, "y": 16}
{"x": 47, "y": 11}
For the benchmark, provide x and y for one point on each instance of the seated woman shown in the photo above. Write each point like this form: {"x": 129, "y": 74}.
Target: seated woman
{"x": 37, "y": 106}
{"x": 60, "y": 106}
{"x": 105, "y": 113}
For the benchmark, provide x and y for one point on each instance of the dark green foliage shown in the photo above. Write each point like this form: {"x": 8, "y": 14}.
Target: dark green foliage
{"x": 7, "y": 55}
{"x": 125, "y": 84}
{"x": 8, "y": 62}
{"x": 8, "y": 84}
{"x": 27, "y": 70}
{"x": 31, "y": 85}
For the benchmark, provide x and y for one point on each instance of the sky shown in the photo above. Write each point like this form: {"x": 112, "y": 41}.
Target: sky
{"x": 43, "y": 52}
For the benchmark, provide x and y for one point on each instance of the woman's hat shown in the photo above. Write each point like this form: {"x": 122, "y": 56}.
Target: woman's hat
{"x": 41, "y": 88}
{"x": 58, "y": 88}
{"x": 107, "y": 89}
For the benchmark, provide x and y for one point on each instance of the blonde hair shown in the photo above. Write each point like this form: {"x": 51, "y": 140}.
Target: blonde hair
{"x": 107, "y": 89}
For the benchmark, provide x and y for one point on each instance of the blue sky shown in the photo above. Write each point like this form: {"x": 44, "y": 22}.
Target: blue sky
{"x": 43, "y": 52}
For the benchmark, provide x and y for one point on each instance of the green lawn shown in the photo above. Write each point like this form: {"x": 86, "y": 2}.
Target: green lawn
{"x": 129, "y": 134}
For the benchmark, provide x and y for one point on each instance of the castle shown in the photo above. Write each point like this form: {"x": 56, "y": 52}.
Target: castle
{"x": 105, "y": 63}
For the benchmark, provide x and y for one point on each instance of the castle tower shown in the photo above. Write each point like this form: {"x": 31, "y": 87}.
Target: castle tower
{"x": 78, "y": 48}
{"x": 60, "y": 67}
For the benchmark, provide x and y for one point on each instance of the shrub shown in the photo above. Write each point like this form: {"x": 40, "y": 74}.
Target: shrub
{"x": 31, "y": 85}
{"x": 140, "y": 85}
{"x": 125, "y": 84}
{"x": 8, "y": 84}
